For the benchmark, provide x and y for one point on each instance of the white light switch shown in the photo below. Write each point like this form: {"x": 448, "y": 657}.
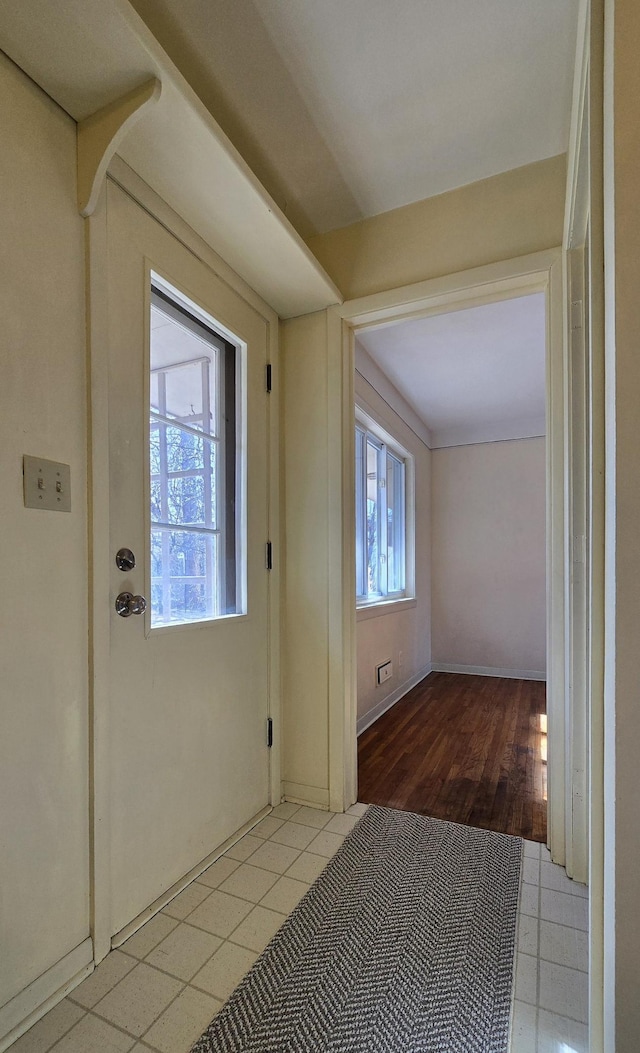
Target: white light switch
{"x": 47, "y": 484}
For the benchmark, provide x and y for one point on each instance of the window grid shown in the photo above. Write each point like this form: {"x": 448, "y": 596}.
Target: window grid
{"x": 164, "y": 424}
{"x": 380, "y": 520}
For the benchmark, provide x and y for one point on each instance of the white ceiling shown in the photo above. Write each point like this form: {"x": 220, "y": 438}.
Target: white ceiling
{"x": 477, "y": 375}
{"x": 348, "y": 108}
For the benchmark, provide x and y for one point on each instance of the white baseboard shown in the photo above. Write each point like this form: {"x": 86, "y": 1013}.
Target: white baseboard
{"x": 488, "y": 670}
{"x": 166, "y": 897}
{"x": 312, "y": 796}
{"x": 27, "y": 1007}
{"x": 369, "y": 718}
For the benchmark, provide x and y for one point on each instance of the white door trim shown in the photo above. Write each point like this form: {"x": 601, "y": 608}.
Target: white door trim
{"x": 584, "y": 229}
{"x": 100, "y": 553}
{"x": 538, "y": 272}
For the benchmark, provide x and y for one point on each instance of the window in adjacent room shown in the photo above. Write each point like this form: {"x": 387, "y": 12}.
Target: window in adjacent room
{"x": 382, "y": 469}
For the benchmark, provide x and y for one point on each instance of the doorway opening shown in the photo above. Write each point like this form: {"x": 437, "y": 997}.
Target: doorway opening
{"x": 451, "y": 676}
{"x": 521, "y": 277}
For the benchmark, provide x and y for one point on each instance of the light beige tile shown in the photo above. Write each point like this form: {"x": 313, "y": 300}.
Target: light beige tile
{"x": 341, "y": 824}
{"x": 245, "y": 847}
{"x": 285, "y": 895}
{"x": 564, "y": 991}
{"x": 218, "y": 872}
{"x": 183, "y": 1022}
{"x": 531, "y": 871}
{"x": 40, "y": 1037}
{"x": 564, "y": 946}
{"x": 555, "y": 877}
{"x": 295, "y": 835}
{"x": 313, "y": 817}
{"x": 258, "y": 928}
{"x": 138, "y": 999}
{"x": 326, "y": 844}
{"x": 357, "y": 809}
{"x": 526, "y": 989}
{"x": 528, "y": 934}
{"x": 222, "y": 973}
{"x": 149, "y": 936}
{"x": 110, "y": 971}
{"x": 267, "y": 827}
{"x": 186, "y": 901}
{"x": 249, "y": 882}
{"x": 307, "y": 867}
{"x": 564, "y": 910}
{"x": 220, "y": 913}
{"x": 557, "y": 1034}
{"x": 184, "y": 951}
{"x": 285, "y": 810}
{"x": 91, "y": 1035}
{"x": 529, "y": 900}
{"x": 274, "y": 857}
{"x": 523, "y": 1028}
{"x": 545, "y": 854}
{"x": 532, "y": 849}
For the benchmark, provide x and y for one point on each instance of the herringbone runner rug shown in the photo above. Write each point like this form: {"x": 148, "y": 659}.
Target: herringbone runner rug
{"x": 405, "y": 943}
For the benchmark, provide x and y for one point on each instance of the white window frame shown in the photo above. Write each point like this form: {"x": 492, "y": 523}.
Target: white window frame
{"x": 214, "y": 336}
{"x": 386, "y": 444}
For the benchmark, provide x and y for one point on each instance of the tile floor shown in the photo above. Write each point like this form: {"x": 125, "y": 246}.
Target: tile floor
{"x": 550, "y": 1009}
{"x": 162, "y": 987}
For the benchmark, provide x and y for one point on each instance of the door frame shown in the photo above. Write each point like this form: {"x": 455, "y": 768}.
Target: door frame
{"x": 100, "y": 555}
{"x": 538, "y": 272}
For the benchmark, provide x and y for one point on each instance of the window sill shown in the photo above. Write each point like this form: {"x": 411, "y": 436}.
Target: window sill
{"x": 377, "y": 610}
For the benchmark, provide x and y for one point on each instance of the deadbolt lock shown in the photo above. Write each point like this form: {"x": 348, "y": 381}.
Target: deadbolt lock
{"x": 125, "y": 559}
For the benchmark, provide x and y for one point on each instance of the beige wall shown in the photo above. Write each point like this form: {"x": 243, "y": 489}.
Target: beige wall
{"x": 305, "y": 448}
{"x": 496, "y": 219}
{"x": 403, "y": 636}
{"x": 622, "y": 703}
{"x": 488, "y": 555}
{"x": 44, "y": 864}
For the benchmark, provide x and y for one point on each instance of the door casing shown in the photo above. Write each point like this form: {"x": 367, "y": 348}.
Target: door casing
{"x": 539, "y": 272}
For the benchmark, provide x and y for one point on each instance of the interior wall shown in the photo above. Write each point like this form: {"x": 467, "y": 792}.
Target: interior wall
{"x": 622, "y": 503}
{"x": 488, "y": 567}
{"x": 495, "y": 219}
{"x": 44, "y": 862}
{"x": 512, "y": 214}
{"x": 305, "y": 621}
{"x": 400, "y": 635}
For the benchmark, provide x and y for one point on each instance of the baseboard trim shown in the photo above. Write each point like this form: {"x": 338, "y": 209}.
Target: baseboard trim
{"x": 488, "y": 670}
{"x": 369, "y": 718}
{"x": 166, "y": 897}
{"x": 27, "y": 1007}
{"x": 312, "y": 796}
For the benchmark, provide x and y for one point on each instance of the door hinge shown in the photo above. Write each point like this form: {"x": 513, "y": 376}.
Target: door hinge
{"x": 269, "y": 555}
{"x": 268, "y": 378}
{"x": 269, "y": 732}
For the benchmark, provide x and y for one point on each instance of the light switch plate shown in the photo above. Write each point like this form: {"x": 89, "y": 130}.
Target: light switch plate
{"x": 47, "y": 484}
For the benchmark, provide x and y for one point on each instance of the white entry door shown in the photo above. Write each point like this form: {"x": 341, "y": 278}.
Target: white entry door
{"x": 188, "y": 426}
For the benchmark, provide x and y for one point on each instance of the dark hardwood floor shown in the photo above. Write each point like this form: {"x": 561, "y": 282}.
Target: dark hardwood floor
{"x": 471, "y": 749}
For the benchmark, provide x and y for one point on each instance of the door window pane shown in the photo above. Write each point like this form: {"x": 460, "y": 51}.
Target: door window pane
{"x": 195, "y": 503}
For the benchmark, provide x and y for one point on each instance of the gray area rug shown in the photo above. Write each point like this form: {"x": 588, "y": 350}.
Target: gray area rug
{"x": 405, "y": 943}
